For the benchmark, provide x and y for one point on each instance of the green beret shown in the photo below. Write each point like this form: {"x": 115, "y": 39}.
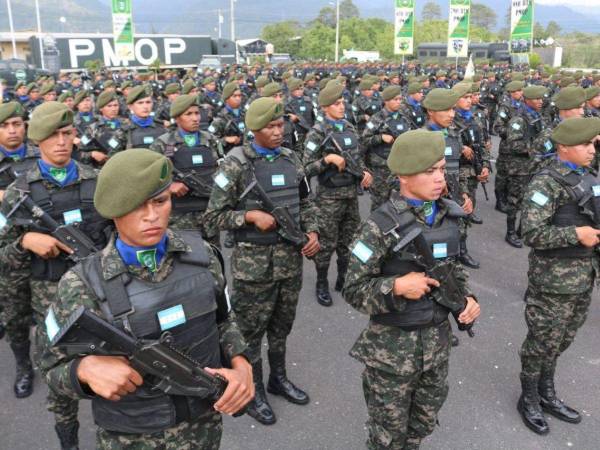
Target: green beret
{"x": 208, "y": 80}
{"x": 534, "y": 92}
{"x": 47, "y": 88}
{"x": 324, "y": 82}
{"x": 475, "y": 87}
{"x": 80, "y": 96}
{"x": 261, "y": 112}
{"x": 592, "y": 92}
{"x": 515, "y": 86}
{"x": 271, "y": 89}
{"x": 567, "y": 81}
{"x": 47, "y": 118}
{"x": 64, "y": 95}
{"x": 182, "y": 103}
{"x": 10, "y": 110}
{"x": 416, "y": 151}
{"x": 517, "y": 76}
{"x": 130, "y": 178}
{"x": 365, "y": 84}
{"x": 262, "y": 81}
{"x": 20, "y": 84}
{"x": 414, "y": 87}
{"x": 31, "y": 87}
{"x": 332, "y": 92}
{"x": 570, "y": 97}
{"x": 137, "y": 93}
{"x": 109, "y": 83}
{"x": 440, "y": 99}
{"x": 490, "y": 74}
{"x": 188, "y": 86}
{"x": 463, "y": 88}
{"x": 105, "y": 98}
{"x": 286, "y": 75}
{"x": 172, "y": 88}
{"x": 391, "y": 92}
{"x": 309, "y": 77}
{"x": 477, "y": 77}
{"x": 295, "y": 83}
{"x": 394, "y": 75}
{"x": 229, "y": 89}
{"x": 126, "y": 84}
{"x": 576, "y": 130}
{"x": 441, "y": 73}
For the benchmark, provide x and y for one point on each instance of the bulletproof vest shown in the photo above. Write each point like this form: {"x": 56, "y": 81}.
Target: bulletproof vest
{"x": 198, "y": 160}
{"x": 303, "y": 108}
{"x": 108, "y": 139}
{"x": 72, "y": 204}
{"x": 444, "y": 240}
{"x": 82, "y": 125}
{"x": 332, "y": 178}
{"x": 180, "y": 310}
{"x": 205, "y": 118}
{"x": 10, "y": 169}
{"x": 582, "y": 210}
{"x": 395, "y": 127}
{"x": 533, "y": 128}
{"x": 418, "y": 117}
{"x": 278, "y": 178}
{"x": 452, "y": 153}
{"x": 144, "y": 137}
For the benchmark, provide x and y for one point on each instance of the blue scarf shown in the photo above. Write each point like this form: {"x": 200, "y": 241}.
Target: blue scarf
{"x": 411, "y": 101}
{"x": 268, "y": 153}
{"x": 532, "y": 111}
{"x": 515, "y": 103}
{"x": 429, "y": 215}
{"x": 188, "y": 137}
{"x": 211, "y": 93}
{"x": 466, "y": 114}
{"x": 149, "y": 257}
{"x": 86, "y": 116}
{"x": 435, "y": 127}
{"x": 60, "y": 176}
{"x": 114, "y": 124}
{"x": 235, "y": 112}
{"x": 23, "y": 98}
{"x": 574, "y": 167}
{"x": 337, "y": 124}
{"x": 17, "y": 154}
{"x": 441, "y": 84}
{"x": 142, "y": 123}
{"x": 392, "y": 114}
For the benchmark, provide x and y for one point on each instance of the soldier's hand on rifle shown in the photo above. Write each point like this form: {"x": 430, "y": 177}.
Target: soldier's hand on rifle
{"x": 471, "y": 312}
{"x": 467, "y": 206}
{"x": 336, "y": 160}
{"x": 312, "y": 246}
{"x": 261, "y": 220}
{"x": 178, "y": 189}
{"x": 414, "y": 285}
{"x": 467, "y": 152}
{"x": 367, "y": 179}
{"x": 488, "y": 145}
{"x": 232, "y": 139}
{"x": 588, "y": 236}
{"x": 43, "y": 245}
{"x": 166, "y": 123}
{"x": 484, "y": 175}
{"x": 110, "y": 377}
{"x": 99, "y": 157}
{"x": 293, "y": 117}
{"x": 387, "y": 138}
{"x": 240, "y": 387}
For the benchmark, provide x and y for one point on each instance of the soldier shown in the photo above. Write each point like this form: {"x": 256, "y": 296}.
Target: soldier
{"x": 142, "y": 130}
{"x": 21, "y": 93}
{"x": 84, "y": 108}
{"x": 34, "y": 97}
{"x": 490, "y": 93}
{"x": 228, "y": 125}
{"x": 592, "y": 101}
{"x": 172, "y": 91}
{"x": 562, "y": 232}
{"x": 266, "y": 265}
{"x": 193, "y": 153}
{"x": 67, "y": 98}
{"x": 48, "y": 93}
{"x": 128, "y": 410}
{"x": 299, "y": 108}
{"x": 412, "y": 108}
{"x": 210, "y": 95}
{"x": 364, "y": 106}
{"x": 406, "y": 345}
{"x": 63, "y": 189}
{"x": 311, "y": 89}
{"x": 379, "y": 135}
{"x": 338, "y": 176}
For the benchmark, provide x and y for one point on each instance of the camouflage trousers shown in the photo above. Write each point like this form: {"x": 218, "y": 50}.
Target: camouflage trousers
{"x": 194, "y": 221}
{"x": 403, "y": 406}
{"x": 552, "y": 323}
{"x": 381, "y": 187}
{"x": 515, "y": 191}
{"x": 15, "y": 304}
{"x": 199, "y": 435}
{"x": 501, "y": 178}
{"x": 266, "y": 308}
{"x": 43, "y": 294}
{"x": 338, "y": 221}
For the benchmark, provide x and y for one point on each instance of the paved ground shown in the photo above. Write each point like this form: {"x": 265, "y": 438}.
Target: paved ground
{"x": 480, "y": 411}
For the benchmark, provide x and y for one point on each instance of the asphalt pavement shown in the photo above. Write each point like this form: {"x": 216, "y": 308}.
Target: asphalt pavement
{"x": 479, "y": 414}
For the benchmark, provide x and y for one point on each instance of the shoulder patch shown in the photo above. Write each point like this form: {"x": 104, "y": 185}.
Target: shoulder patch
{"x": 362, "y": 252}
{"x": 539, "y": 198}
{"x": 370, "y": 125}
{"x": 52, "y": 327}
{"x": 222, "y": 181}
{"x": 311, "y": 146}
{"x": 3, "y": 221}
{"x": 212, "y": 129}
{"x": 502, "y": 114}
{"x": 516, "y": 126}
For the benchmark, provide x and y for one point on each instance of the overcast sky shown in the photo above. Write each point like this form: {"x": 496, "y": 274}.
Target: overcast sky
{"x": 586, "y": 3}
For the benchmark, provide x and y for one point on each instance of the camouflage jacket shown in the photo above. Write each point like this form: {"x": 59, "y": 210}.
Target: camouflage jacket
{"x": 523, "y": 133}
{"x": 464, "y": 126}
{"x": 363, "y": 108}
{"x": 543, "y": 197}
{"x": 92, "y": 141}
{"x": 226, "y": 124}
{"x": 174, "y": 138}
{"x": 417, "y": 117}
{"x": 73, "y": 292}
{"x": 376, "y": 127}
{"x": 31, "y": 153}
{"x": 506, "y": 110}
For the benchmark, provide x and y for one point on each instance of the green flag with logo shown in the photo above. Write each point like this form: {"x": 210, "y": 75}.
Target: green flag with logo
{"x": 458, "y": 28}
{"x": 521, "y": 26}
{"x": 123, "y": 29}
{"x": 404, "y": 27}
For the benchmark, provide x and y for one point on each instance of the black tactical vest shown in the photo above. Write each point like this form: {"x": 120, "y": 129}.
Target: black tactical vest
{"x": 144, "y": 137}
{"x": 205, "y": 118}
{"x": 444, "y": 241}
{"x": 108, "y": 139}
{"x": 332, "y": 178}
{"x": 10, "y": 169}
{"x": 279, "y": 180}
{"x": 394, "y": 127}
{"x": 184, "y": 306}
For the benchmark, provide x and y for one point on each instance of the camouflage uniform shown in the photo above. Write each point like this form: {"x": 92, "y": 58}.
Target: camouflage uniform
{"x": 404, "y": 381}
{"x": 227, "y": 124}
{"x": 142, "y": 137}
{"x": 303, "y": 108}
{"x": 363, "y": 108}
{"x": 203, "y": 432}
{"x": 108, "y": 137}
{"x": 414, "y": 112}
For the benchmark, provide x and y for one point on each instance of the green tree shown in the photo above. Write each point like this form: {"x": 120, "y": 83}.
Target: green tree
{"x": 431, "y": 31}
{"x": 348, "y": 10}
{"x": 553, "y": 29}
{"x": 327, "y": 14}
{"x": 283, "y": 36}
{"x": 431, "y": 11}
{"x": 318, "y": 42}
{"x": 483, "y": 16}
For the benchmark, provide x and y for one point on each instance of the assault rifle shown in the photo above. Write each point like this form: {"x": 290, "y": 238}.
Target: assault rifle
{"x": 468, "y": 137}
{"x": 352, "y": 166}
{"x": 194, "y": 182}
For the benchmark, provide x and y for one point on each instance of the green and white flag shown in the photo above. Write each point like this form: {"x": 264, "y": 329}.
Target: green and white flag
{"x": 458, "y": 28}
{"x": 521, "y": 26}
{"x": 404, "y": 27}
{"x": 123, "y": 29}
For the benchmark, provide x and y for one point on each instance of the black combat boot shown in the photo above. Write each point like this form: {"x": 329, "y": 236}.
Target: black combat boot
{"x": 259, "y": 408}
{"x": 279, "y": 383}
{"x": 341, "y": 276}
{"x": 67, "y": 435}
{"x": 530, "y": 408}
{"x": 454, "y": 340}
{"x": 229, "y": 241}
{"x": 551, "y": 403}
{"x": 500, "y": 202}
{"x": 511, "y": 233}
{"x": 474, "y": 218}
{"x": 323, "y": 295}
{"x": 23, "y": 386}
{"x": 464, "y": 256}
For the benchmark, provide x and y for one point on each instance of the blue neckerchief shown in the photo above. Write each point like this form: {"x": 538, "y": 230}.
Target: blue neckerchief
{"x": 83, "y": 115}
{"x": 466, "y": 114}
{"x": 17, "y": 154}
{"x": 188, "y": 136}
{"x": 574, "y": 167}
{"x": 211, "y": 93}
{"x": 429, "y": 218}
{"x": 532, "y": 111}
{"x": 435, "y": 127}
{"x": 23, "y": 98}
{"x": 411, "y": 101}
{"x": 266, "y": 152}
{"x": 68, "y": 176}
{"x": 235, "y": 112}
{"x": 142, "y": 123}
{"x": 393, "y": 114}
{"x": 113, "y": 123}
{"x": 515, "y": 103}
{"x": 129, "y": 253}
{"x": 441, "y": 84}
{"x": 337, "y": 124}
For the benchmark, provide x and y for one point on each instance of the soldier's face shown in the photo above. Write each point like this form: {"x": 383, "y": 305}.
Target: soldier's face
{"x": 56, "y": 149}
{"x": 582, "y": 154}
{"x": 568, "y": 113}
{"x": 270, "y": 136}
{"x": 69, "y": 101}
{"x": 427, "y": 185}
{"x": 85, "y": 105}
{"x": 190, "y": 120}
{"x": 210, "y": 86}
{"x": 146, "y": 225}
{"x": 12, "y": 133}
{"x": 418, "y": 96}
{"x": 172, "y": 97}
{"x": 442, "y": 118}
{"x": 367, "y": 92}
{"x": 464, "y": 102}
{"x": 595, "y": 102}
{"x": 50, "y": 96}
{"x": 336, "y": 110}
{"x": 535, "y": 103}
{"x": 34, "y": 94}
{"x": 141, "y": 108}
{"x": 394, "y": 104}
{"x": 111, "y": 109}
{"x": 475, "y": 98}
{"x": 298, "y": 92}
{"x": 235, "y": 100}
{"x": 517, "y": 95}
